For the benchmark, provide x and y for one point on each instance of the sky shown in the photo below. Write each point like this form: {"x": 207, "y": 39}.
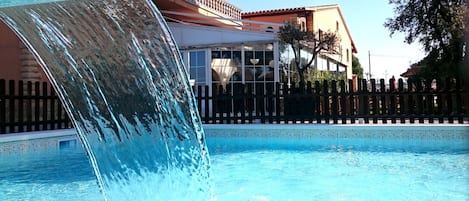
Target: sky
{"x": 388, "y": 56}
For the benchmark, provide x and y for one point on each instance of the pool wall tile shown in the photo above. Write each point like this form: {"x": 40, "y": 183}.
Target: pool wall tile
{"x": 38, "y": 144}
{"x": 411, "y": 134}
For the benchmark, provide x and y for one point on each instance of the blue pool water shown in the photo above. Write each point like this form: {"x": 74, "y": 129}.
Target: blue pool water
{"x": 281, "y": 163}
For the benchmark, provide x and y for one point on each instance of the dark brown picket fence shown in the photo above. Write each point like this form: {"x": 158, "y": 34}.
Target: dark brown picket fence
{"x": 437, "y": 101}
{"x": 28, "y": 106}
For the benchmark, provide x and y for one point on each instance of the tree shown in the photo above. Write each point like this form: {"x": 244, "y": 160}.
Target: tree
{"x": 313, "y": 43}
{"x": 439, "y": 26}
{"x": 357, "y": 67}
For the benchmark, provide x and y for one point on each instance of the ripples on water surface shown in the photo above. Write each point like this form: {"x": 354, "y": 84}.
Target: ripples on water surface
{"x": 279, "y": 169}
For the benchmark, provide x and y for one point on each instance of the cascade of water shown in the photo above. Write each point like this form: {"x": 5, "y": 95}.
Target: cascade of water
{"x": 118, "y": 72}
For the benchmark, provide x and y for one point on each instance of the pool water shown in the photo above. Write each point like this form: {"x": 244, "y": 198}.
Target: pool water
{"x": 293, "y": 164}
{"x": 340, "y": 175}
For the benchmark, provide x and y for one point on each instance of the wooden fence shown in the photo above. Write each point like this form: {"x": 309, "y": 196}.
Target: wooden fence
{"x": 28, "y": 106}
{"x": 437, "y": 101}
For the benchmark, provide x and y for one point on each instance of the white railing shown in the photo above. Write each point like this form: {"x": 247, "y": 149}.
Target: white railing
{"x": 220, "y": 7}
{"x": 245, "y": 25}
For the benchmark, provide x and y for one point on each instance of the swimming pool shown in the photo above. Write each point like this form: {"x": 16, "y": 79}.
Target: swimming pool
{"x": 283, "y": 162}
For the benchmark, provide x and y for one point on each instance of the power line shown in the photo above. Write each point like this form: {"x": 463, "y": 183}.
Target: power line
{"x": 391, "y": 56}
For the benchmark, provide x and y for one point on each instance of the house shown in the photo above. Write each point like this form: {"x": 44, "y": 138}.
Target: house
{"x": 220, "y": 46}
{"x": 315, "y": 19}
{"x": 219, "y": 50}
{"x": 214, "y": 45}
{"x": 413, "y": 70}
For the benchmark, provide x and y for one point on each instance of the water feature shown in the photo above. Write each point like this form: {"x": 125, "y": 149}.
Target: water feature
{"x": 118, "y": 73}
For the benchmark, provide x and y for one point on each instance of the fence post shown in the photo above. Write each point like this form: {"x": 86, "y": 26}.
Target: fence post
{"x": 250, "y": 103}
{"x": 286, "y": 102}
{"x": 392, "y": 97}
{"x": 235, "y": 102}
{"x": 261, "y": 99}
{"x": 419, "y": 101}
{"x": 61, "y": 120}
{"x": 277, "y": 102}
{"x": 243, "y": 102}
{"x": 222, "y": 105}
{"x": 20, "y": 111}
{"x": 318, "y": 105}
{"x": 410, "y": 101}
{"x": 439, "y": 100}
{"x": 199, "y": 103}
{"x": 37, "y": 106}
{"x": 53, "y": 112}
{"x": 2, "y": 106}
{"x": 299, "y": 101}
{"x": 343, "y": 102}
{"x": 268, "y": 102}
{"x": 273, "y": 102}
{"x": 384, "y": 110}
{"x": 327, "y": 112}
{"x": 374, "y": 99}
{"x": 401, "y": 100}
{"x": 45, "y": 119}
{"x": 459, "y": 105}
{"x": 335, "y": 97}
{"x": 207, "y": 103}
{"x": 366, "y": 101}
{"x": 309, "y": 109}
{"x": 352, "y": 102}
{"x": 29, "y": 109}
{"x": 429, "y": 100}
{"x": 11, "y": 106}
{"x": 459, "y": 90}
{"x": 449, "y": 100}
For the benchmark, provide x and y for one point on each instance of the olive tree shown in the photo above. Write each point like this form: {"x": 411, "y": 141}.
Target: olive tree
{"x": 313, "y": 43}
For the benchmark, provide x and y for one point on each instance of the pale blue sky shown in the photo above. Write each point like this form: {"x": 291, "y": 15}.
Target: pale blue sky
{"x": 365, "y": 19}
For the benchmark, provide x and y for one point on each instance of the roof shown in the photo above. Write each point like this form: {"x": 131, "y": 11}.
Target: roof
{"x": 283, "y": 11}
{"x": 288, "y": 10}
{"x": 414, "y": 69}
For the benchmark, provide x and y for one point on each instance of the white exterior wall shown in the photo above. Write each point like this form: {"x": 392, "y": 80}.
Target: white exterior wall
{"x": 327, "y": 20}
{"x": 189, "y": 36}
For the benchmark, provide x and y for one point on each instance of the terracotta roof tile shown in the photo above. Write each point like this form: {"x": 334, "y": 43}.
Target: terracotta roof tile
{"x": 288, "y": 10}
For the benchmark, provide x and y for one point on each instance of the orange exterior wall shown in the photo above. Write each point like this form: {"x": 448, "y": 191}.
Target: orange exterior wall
{"x": 280, "y": 19}
{"x": 10, "y": 64}
{"x": 10, "y": 56}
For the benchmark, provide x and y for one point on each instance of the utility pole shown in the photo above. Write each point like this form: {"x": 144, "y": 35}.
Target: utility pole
{"x": 369, "y": 65}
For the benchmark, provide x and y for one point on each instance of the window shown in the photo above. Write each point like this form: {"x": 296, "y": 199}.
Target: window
{"x": 337, "y": 26}
{"x": 197, "y": 66}
{"x": 301, "y": 22}
{"x": 226, "y": 54}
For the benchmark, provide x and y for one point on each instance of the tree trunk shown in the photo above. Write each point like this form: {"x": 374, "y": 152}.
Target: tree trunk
{"x": 301, "y": 73}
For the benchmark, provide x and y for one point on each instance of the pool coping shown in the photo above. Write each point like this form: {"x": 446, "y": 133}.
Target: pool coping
{"x": 72, "y": 132}
{"x": 37, "y": 135}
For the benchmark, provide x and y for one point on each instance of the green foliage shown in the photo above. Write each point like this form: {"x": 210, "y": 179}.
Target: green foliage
{"x": 314, "y": 43}
{"x": 357, "y": 67}
{"x": 317, "y": 75}
{"x": 312, "y": 75}
{"x": 438, "y": 25}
